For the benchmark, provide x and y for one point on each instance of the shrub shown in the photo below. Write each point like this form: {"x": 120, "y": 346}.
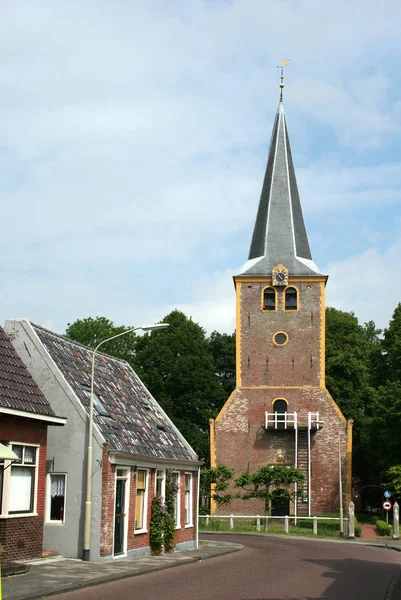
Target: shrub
{"x": 156, "y": 526}
{"x": 383, "y": 528}
{"x": 169, "y": 515}
{"x": 357, "y": 528}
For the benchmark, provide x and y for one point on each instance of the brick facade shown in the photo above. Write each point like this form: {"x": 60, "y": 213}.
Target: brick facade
{"x": 136, "y": 541}
{"x": 294, "y": 372}
{"x": 20, "y": 536}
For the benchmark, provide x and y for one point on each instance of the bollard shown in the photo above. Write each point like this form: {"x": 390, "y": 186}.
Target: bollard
{"x": 396, "y": 521}
{"x": 286, "y": 524}
{"x": 351, "y": 514}
{"x": 258, "y": 523}
{"x": 315, "y": 525}
{"x": 207, "y": 520}
{"x": 231, "y": 521}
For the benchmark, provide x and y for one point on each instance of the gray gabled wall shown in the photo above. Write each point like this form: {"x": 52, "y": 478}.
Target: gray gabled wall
{"x": 66, "y": 446}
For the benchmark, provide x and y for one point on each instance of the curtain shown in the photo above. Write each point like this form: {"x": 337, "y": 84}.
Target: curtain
{"x": 57, "y": 485}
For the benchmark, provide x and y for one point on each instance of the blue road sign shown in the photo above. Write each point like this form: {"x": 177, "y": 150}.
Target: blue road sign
{"x": 387, "y": 494}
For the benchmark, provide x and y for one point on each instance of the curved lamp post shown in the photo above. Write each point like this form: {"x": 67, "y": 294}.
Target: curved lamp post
{"x": 88, "y": 501}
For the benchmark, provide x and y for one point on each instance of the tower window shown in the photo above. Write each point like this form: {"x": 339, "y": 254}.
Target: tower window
{"x": 269, "y": 299}
{"x": 280, "y": 338}
{"x": 291, "y": 298}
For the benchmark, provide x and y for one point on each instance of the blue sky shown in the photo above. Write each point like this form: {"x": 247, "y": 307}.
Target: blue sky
{"x": 133, "y": 142}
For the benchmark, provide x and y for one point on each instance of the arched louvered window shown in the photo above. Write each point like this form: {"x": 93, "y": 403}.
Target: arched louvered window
{"x": 291, "y": 298}
{"x": 269, "y": 299}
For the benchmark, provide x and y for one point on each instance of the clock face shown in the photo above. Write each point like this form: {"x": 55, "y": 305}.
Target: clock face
{"x": 280, "y": 277}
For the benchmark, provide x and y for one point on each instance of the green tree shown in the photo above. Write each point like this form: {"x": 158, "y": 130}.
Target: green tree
{"x": 178, "y": 370}
{"x": 91, "y": 331}
{"x": 353, "y": 354}
{"x": 392, "y": 348}
{"x": 349, "y": 351}
{"x": 222, "y": 347}
{"x": 270, "y": 482}
{"x": 393, "y": 481}
{"x": 220, "y": 477}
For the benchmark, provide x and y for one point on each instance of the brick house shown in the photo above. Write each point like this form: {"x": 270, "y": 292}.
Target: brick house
{"x": 281, "y": 411}
{"x": 25, "y": 416}
{"x": 134, "y": 445}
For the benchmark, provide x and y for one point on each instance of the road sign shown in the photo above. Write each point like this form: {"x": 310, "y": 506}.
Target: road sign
{"x": 387, "y": 505}
{"x": 387, "y": 494}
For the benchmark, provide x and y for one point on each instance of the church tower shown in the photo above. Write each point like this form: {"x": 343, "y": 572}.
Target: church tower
{"x": 281, "y": 411}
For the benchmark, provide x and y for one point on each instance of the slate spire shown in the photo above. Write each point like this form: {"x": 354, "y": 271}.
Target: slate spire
{"x": 279, "y": 234}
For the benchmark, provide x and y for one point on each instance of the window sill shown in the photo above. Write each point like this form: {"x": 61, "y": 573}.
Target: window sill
{"x": 189, "y": 525}
{"x": 177, "y": 527}
{"x": 19, "y": 516}
{"x": 140, "y": 531}
{"x": 57, "y": 523}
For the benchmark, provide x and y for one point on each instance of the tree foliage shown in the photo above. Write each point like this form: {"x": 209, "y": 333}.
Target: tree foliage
{"x": 178, "y": 370}
{"x": 219, "y": 477}
{"x": 91, "y": 332}
{"x": 222, "y": 347}
{"x": 393, "y": 481}
{"x": 269, "y": 482}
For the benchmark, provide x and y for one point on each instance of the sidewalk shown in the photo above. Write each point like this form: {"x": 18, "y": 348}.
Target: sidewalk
{"x": 51, "y": 576}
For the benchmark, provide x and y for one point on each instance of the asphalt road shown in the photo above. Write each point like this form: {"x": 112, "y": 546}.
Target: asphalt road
{"x": 267, "y": 569}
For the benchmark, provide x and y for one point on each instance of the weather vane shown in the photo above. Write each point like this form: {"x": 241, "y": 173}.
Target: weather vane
{"x": 284, "y": 63}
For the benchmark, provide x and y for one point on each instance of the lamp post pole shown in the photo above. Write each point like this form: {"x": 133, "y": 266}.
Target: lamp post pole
{"x": 88, "y": 501}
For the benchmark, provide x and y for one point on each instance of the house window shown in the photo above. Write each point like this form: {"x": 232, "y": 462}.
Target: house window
{"x": 188, "y": 499}
{"x": 160, "y": 483}
{"x": 22, "y": 481}
{"x": 141, "y": 498}
{"x": 291, "y": 298}
{"x": 56, "y": 490}
{"x": 177, "y": 503}
{"x": 269, "y": 299}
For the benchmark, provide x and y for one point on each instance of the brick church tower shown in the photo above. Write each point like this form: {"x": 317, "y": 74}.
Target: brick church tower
{"x": 281, "y": 411}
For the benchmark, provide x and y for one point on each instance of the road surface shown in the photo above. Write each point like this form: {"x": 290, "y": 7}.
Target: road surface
{"x": 267, "y": 569}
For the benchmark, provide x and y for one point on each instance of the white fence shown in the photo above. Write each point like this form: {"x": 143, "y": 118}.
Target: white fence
{"x": 266, "y": 519}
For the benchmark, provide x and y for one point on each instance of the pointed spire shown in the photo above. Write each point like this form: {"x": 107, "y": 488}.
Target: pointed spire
{"x": 280, "y": 235}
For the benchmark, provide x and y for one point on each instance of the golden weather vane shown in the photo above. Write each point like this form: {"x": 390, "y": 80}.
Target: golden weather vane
{"x": 284, "y": 63}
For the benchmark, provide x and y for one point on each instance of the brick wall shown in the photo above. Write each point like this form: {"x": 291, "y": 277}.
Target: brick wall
{"x": 21, "y": 537}
{"x": 137, "y": 540}
{"x": 295, "y": 363}
{"x": 295, "y": 372}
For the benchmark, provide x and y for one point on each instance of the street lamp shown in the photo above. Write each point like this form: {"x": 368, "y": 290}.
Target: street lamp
{"x": 88, "y": 502}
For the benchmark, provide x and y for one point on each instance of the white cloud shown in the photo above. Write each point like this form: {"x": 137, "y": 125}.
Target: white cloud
{"x": 133, "y": 139}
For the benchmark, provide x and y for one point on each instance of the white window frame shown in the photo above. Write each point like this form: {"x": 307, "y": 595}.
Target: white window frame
{"x": 48, "y": 520}
{"x": 126, "y": 475}
{"x": 145, "y": 501}
{"x": 177, "y": 503}
{"x": 188, "y": 500}
{"x": 163, "y": 484}
{"x": 8, "y": 465}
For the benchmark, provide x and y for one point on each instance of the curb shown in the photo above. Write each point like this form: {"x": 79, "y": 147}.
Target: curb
{"x": 96, "y": 581}
{"x": 388, "y": 545}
